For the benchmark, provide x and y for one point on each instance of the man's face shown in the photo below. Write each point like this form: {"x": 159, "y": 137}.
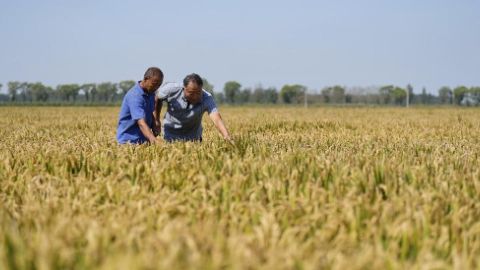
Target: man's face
{"x": 193, "y": 93}
{"x": 152, "y": 84}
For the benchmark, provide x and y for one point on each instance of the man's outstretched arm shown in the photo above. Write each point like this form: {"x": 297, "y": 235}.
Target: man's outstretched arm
{"x": 218, "y": 122}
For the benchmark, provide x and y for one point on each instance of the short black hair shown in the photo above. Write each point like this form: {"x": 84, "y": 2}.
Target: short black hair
{"x": 152, "y": 72}
{"x": 193, "y": 78}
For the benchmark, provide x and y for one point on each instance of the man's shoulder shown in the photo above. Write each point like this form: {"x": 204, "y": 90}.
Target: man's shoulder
{"x": 171, "y": 87}
{"x": 206, "y": 93}
{"x": 134, "y": 92}
{"x": 207, "y": 97}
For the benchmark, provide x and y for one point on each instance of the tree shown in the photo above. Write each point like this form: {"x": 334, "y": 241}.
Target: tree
{"x": 475, "y": 92}
{"x": 89, "y": 90}
{"x": 125, "y": 86}
{"x": 335, "y": 94}
{"x": 12, "y": 90}
{"x": 445, "y": 95}
{"x": 424, "y": 97}
{"x": 40, "y": 92}
{"x": 271, "y": 95}
{"x": 67, "y": 91}
{"x": 349, "y": 98}
{"x": 73, "y": 90}
{"x": 3, "y": 97}
{"x": 219, "y": 98}
{"x": 293, "y": 93}
{"x": 107, "y": 91}
{"x": 399, "y": 95}
{"x": 207, "y": 86}
{"x": 244, "y": 96}
{"x": 258, "y": 95}
{"x": 459, "y": 93}
{"x": 262, "y": 95}
{"x": 63, "y": 92}
{"x": 386, "y": 93}
{"x": 231, "y": 90}
{"x": 338, "y": 94}
{"x": 25, "y": 91}
{"x": 325, "y": 93}
{"x": 93, "y": 92}
{"x": 431, "y": 99}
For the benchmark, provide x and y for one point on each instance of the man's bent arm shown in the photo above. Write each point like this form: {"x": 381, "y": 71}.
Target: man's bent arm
{"x": 158, "y": 108}
{"x": 157, "y": 126}
{"x": 147, "y": 132}
{"x": 217, "y": 120}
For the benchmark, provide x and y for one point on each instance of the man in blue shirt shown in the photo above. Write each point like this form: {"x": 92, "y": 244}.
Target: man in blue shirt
{"x": 186, "y": 105}
{"x": 136, "y": 115}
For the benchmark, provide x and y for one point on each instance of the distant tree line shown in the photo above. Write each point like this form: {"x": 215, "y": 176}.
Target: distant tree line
{"x": 233, "y": 93}
{"x": 91, "y": 92}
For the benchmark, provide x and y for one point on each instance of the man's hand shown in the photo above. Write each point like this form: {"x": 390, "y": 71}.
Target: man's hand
{"x": 157, "y": 127}
{"x": 217, "y": 121}
{"x": 147, "y": 132}
{"x": 229, "y": 139}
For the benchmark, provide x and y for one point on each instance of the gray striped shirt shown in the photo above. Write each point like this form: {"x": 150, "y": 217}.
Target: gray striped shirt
{"x": 183, "y": 121}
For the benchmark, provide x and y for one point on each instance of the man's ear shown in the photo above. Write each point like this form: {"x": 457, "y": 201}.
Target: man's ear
{"x": 145, "y": 78}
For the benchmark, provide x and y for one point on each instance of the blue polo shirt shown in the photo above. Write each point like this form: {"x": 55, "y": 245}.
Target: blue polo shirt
{"x": 137, "y": 104}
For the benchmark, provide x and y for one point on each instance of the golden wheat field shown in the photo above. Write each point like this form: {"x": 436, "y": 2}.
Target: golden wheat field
{"x": 316, "y": 188}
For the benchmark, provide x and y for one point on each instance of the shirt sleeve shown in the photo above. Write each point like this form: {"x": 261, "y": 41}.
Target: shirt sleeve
{"x": 164, "y": 91}
{"x": 137, "y": 107}
{"x": 211, "y": 105}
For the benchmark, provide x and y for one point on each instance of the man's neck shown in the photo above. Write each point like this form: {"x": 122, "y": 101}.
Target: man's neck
{"x": 142, "y": 85}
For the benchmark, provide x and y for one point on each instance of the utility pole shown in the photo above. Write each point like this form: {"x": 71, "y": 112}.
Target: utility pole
{"x": 409, "y": 89}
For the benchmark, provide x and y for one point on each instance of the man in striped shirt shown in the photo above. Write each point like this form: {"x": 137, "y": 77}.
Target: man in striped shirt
{"x": 186, "y": 105}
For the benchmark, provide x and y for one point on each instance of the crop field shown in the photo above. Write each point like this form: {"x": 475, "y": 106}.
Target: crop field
{"x": 316, "y": 188}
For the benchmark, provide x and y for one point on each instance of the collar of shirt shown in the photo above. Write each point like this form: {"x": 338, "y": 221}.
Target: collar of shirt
{"x": 140, "y": 90}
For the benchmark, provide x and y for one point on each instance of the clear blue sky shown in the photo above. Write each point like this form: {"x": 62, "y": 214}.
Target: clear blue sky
{"x": 314, "y": 43}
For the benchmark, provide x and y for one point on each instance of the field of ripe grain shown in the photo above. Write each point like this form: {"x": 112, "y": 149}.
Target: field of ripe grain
{"x": 320, "y": 188}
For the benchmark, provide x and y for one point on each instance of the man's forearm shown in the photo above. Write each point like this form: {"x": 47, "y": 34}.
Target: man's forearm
{"x": 156, "y": 117}
{"x": 147, "y": 132}
{"x": 222, "y": 128}
{"x": 158, "y": 108}
{"x": 218, "y": 122}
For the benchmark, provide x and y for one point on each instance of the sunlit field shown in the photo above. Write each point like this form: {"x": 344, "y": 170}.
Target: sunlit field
{"x": 316, "y": 188}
